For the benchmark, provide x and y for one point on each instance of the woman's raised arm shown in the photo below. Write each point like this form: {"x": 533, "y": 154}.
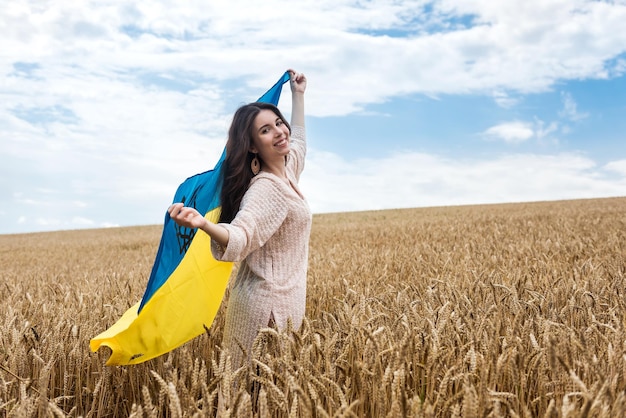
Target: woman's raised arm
{"x": 298, "y": 86}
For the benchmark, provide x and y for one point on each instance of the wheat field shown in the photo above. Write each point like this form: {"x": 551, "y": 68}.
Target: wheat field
{"x": 513, "y": 310}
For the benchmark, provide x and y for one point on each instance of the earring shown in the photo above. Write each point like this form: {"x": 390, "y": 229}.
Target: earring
{"x": 255, "y": 166}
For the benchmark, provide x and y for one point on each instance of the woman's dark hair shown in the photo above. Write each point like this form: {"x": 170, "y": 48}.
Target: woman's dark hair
{"x": 236, "y": 172}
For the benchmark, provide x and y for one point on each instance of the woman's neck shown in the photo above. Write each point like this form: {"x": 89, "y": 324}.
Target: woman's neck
{"x": 277, "y": 168}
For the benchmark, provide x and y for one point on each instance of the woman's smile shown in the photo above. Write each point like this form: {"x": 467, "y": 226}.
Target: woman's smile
{"x": 282, "y": 143}
{"x": 271, "y": 139}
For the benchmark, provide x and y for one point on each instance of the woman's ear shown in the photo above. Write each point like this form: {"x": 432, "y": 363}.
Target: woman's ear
{"x": 253, "y": 149}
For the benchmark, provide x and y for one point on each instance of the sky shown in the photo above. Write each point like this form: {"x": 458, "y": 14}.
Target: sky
{"x": 107, "y": 106}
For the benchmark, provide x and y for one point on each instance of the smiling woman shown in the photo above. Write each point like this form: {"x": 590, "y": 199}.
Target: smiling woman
{"x": 265, "y": 221}
{"x": 255, "y": 130}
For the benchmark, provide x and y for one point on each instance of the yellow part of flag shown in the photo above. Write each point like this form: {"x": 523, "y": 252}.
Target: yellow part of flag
{"x": 177, "y": 312}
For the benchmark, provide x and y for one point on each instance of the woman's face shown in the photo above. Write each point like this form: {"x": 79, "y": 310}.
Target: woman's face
{"x": 270, "y": 136}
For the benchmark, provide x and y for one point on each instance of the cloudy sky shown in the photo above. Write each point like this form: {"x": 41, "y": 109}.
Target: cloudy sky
{"x": 106, "y": 106}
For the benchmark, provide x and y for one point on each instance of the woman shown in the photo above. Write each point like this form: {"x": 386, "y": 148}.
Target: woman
{"x": 265, "y": 221}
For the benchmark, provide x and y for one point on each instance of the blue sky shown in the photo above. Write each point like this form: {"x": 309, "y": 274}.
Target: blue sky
{"x": 105, "y": 107}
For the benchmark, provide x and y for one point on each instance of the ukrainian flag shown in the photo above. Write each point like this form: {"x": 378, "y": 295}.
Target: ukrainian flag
{"x": 186, "y": 285}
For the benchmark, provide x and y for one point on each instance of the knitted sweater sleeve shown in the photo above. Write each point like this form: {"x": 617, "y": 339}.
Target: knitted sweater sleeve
{"x": 263, "y": 210}
{"x": 298, "y": 150}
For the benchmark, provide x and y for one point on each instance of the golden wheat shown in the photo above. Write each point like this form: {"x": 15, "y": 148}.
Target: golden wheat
{"x": 488, "y": 310}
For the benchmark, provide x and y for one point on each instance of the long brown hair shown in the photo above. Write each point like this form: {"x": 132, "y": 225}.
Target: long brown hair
{"x": 236, "y": 172}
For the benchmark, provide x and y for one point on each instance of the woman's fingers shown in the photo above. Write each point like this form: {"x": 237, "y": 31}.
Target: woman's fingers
{"x": 179, "y": 212}
{"x": 298, "y": 81}
{"x": 184, "y": 215}
{"x": 295, "y": 76}
{"x": 187, "y": 214}
{"x": 175, "y": 208}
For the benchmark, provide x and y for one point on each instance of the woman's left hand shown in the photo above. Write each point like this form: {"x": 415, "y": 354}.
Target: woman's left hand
{"x": 297, "y": 81}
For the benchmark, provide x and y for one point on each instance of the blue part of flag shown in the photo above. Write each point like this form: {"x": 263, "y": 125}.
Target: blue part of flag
{"x": 273, "y": 94}
{"x": 202, "y": 192}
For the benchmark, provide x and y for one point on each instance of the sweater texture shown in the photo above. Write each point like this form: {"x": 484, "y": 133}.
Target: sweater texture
{"x": 269, "y": 236}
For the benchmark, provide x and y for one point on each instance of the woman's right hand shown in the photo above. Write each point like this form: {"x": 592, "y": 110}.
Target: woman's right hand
{"x": 191, "y": 218}
{"x": 186, "y": 216}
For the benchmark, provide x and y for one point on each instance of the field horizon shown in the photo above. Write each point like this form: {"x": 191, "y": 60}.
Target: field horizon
{"x": 355, "y": 213}
{"x": 494, "y": 310}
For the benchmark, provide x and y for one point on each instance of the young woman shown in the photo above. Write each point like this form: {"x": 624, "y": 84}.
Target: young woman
{"x": 265, "y": 221}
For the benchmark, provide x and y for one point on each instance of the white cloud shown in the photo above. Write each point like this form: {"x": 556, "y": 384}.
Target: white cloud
{"x": 80, "y": 221}
{"x": 511, "y": 132}
{"x": 412, "y": 179}
{"x": 504, "y": 100}
{"x": 48, "y": 222}
{"x": 508, "y": 46}
{"x": 516, "y": 132}
{"x": 542, "y": 130}
{"x": 109, "y": 225}
{"x": 618, "y": 166}
{"x": 570, "y": 108}
{"x": 619, "y": 69}
{"x": 333, "y": 183}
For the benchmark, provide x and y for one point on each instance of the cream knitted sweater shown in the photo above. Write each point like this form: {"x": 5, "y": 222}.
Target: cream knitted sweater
{"x": 270, "y": 236}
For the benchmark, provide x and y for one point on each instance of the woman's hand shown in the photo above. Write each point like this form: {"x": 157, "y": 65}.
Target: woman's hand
{"x": 298, "y": 86}
{"x": 191, "y": 218}
{"x": 186, "y": 216}
{"x": 297, "y": 81}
